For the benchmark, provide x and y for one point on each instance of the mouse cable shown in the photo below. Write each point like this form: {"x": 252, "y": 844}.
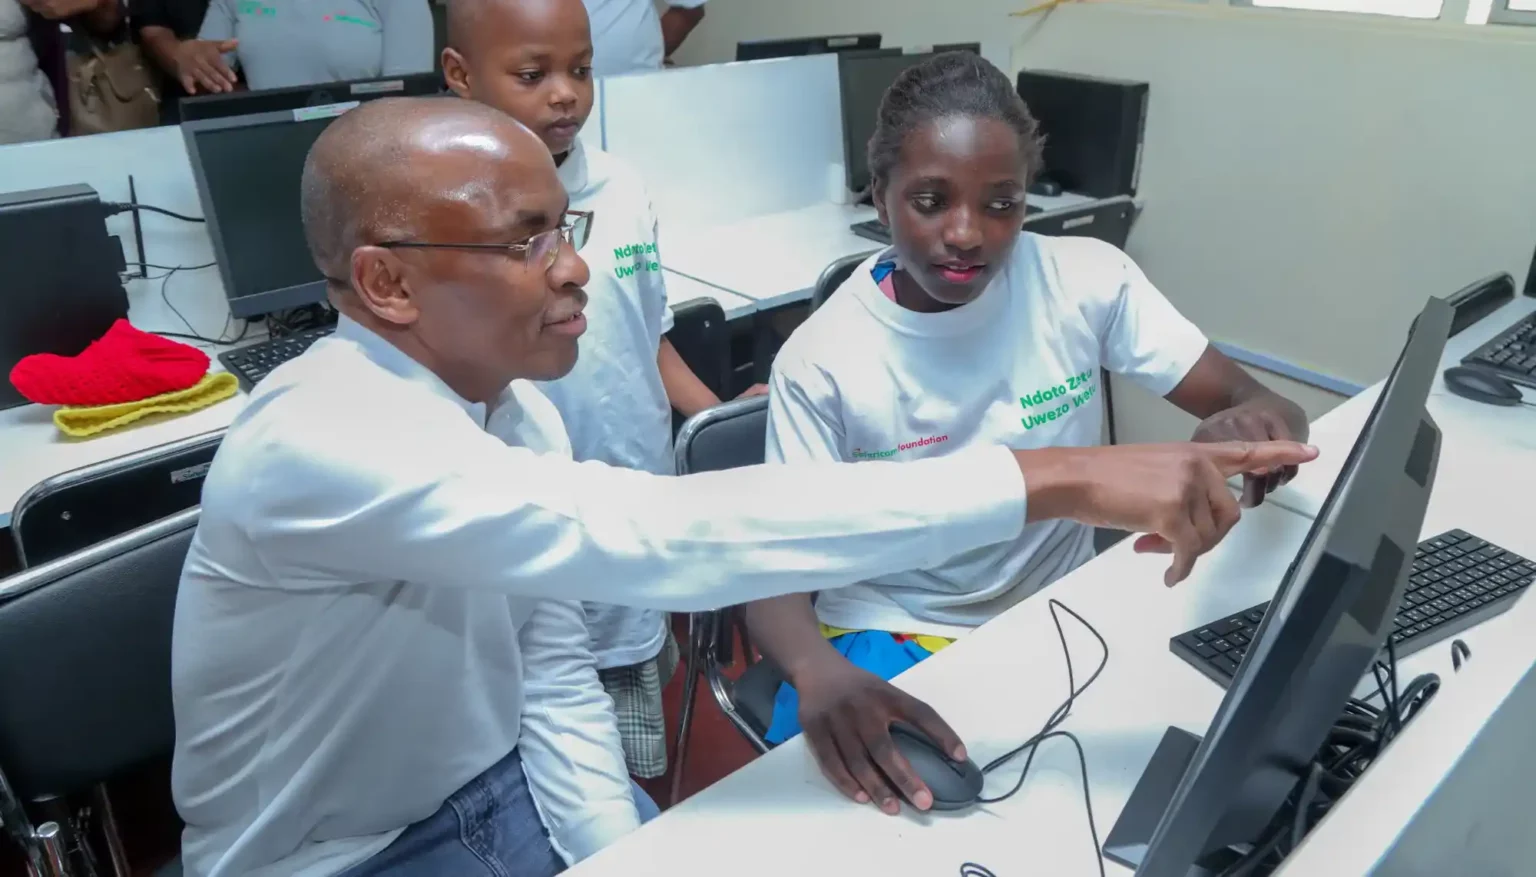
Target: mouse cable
{"x": 1049, "y": 731}
{"x": 115, "y": 207}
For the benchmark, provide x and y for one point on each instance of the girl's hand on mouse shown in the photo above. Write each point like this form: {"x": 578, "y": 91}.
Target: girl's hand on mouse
{"x": 846, "y": 714}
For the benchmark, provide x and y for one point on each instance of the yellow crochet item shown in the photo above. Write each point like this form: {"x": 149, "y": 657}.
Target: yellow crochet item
{"x": 87, "y": 421}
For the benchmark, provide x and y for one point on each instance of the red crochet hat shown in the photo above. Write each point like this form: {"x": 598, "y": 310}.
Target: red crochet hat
{"x": 124, "y": 365}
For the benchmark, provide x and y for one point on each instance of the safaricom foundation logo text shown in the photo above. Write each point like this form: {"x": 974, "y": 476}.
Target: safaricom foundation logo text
{"x": 860, "y": 454}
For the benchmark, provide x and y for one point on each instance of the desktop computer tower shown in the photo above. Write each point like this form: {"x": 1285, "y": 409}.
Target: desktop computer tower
{"x": 1093, "y": 129}
{"x": 62, "y": 290}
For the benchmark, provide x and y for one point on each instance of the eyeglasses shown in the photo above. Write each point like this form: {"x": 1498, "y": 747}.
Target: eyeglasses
{"x": 539, "y": 251}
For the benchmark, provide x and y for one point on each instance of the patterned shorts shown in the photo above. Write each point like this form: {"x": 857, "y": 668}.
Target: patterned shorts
{"x": 636, "y": 693}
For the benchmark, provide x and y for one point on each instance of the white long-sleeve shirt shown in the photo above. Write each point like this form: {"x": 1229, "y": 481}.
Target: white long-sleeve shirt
{"x": 380, "y": 600}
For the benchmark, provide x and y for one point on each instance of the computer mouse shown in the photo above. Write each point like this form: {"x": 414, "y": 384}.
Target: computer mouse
{"x": 1045, "y": 187}
{"x": 954, "y": 784}
{"x": 1481, "y": 386}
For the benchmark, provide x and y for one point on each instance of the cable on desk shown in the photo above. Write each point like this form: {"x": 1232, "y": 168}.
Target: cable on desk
{"x": 1050, "y": 731}
{"x": 192, "y": 334}
{"x": 1459, "y": 653}
{"x": 1357, "y": 739}
{"x": 115, "y": 207}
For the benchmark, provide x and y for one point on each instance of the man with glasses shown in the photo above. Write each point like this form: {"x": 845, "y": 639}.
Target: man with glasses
{"x": 379, "y": 664}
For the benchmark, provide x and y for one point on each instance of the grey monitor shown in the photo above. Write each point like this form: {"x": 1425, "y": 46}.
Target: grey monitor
{"x": 759, "y": 50}
{"x": 1200, "y": 798}
{"x": 248, "y": 103}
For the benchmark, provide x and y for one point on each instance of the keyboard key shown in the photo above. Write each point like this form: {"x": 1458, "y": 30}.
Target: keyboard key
{"x": 1227, "y": 625}
{"x": 1205, "y": 634}
{"x": 1226, "y": 664}
{"x": 1220, "y": 645}
{"x": 1205, "y": 651}
{"x": 1255, "y": 616}
{"x": 1240, "y": 639}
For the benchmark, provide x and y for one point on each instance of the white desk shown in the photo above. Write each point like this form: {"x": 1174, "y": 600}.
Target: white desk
{"x": 775, "y": 259}
{"x": 681, "y": 288}
{"x": 996, "y": 687}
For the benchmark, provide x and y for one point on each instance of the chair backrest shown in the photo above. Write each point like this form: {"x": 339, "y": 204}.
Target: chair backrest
{"x": 85, "y": 660}
{"x": 92, "y": 504}
{"x": 833, "y": 276}
{"x": 703, "y": 341}
{"x": 727, "y": 436}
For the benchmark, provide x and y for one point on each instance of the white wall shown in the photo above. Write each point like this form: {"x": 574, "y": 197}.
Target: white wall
{"x": 1309, "y": 178}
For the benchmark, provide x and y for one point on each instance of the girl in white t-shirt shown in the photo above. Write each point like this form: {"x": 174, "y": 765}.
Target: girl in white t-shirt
{"x": 965, "y": 332}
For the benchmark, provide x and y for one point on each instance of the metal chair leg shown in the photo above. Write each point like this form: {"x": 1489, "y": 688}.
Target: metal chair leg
{"x": 696, "y": 633}
{"x": 117, "y": 857}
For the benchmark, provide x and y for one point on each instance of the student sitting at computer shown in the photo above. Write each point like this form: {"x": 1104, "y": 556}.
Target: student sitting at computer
{"x": 532, "y": 59}
{"x": 965, "y": 332}
{"x": 279, "y": 44}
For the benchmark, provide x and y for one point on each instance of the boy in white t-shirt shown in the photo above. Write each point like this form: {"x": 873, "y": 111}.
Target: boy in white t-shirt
{"x": 532, "y": 59}
{"x": 965, "y": 332}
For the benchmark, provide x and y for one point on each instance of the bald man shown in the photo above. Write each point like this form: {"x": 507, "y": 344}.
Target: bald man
{"x": 379, "y": 664}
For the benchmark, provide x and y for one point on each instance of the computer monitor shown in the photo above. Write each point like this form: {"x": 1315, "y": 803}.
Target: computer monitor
{"x": 248, "y": 103}
{"x": 761, "y": 50}
{"x": 1328, "y": 621}
{"x": 247, "y": 170}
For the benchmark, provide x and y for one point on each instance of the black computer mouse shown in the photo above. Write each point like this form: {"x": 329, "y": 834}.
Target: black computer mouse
{"x": 1045, "y": 187}
{"x": 954, "y": 784}
{"x": 1481, "y": 386}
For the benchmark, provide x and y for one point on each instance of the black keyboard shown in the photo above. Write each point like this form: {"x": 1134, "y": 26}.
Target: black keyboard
{"x": 251, "y": 364}
{"x": 1458, "y": 581}
{"x": 1512, "y": 355}
{"x": 874, "y": 230}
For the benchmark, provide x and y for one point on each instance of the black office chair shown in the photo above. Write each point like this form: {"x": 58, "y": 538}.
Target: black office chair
{"x": 92, "y": 504}
{"x": 727, "y": 436}
{"x": 833, "y": 276}
{"x": 703, "y": 341}
{"x": 85, "y": 669}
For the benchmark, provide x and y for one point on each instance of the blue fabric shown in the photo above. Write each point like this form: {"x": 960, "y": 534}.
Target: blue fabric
{"x": 882, "y": 270}
{"x": 489, "y": 828}
{"x": 874, "y": 650}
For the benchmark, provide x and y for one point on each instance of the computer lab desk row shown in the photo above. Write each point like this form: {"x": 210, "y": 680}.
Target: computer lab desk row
{"x": 997, "y": 686}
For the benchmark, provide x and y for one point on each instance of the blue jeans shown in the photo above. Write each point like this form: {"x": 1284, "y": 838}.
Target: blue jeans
{"x": 489, "y": 828}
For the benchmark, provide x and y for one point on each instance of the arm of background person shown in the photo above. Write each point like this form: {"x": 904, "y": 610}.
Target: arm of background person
{"x": 678, "y": 21}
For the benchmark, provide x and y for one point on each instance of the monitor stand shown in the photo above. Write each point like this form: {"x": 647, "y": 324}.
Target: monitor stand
{"x": 1131, "y": 835}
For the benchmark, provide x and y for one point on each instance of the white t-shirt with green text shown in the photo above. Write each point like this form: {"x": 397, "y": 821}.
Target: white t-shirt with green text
{"x": 866, "y": 379}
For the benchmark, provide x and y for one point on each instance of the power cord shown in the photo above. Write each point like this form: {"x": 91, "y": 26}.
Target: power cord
{"x": 1357, "y": 739}
{"x": 192, "y": 334}
{"x": 1049, "y": 731}
{"x": 115, "y": 207}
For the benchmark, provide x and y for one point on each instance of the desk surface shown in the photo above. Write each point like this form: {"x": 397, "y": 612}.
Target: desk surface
{"x": 997, "y": 686}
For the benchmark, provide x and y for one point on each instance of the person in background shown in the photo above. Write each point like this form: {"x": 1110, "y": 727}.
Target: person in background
{"x": 628, "y": 36}
{"x": 965, "y": 332}
{"x": 279, "y": 44}
{"x": 167, "y": 31}
{"x": 34, "y": 84}
{"x": 532, "y": 59}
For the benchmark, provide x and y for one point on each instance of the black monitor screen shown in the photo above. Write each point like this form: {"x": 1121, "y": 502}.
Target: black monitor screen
{"x": 864, "y": 77}
{"x": 249, "y": 180}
